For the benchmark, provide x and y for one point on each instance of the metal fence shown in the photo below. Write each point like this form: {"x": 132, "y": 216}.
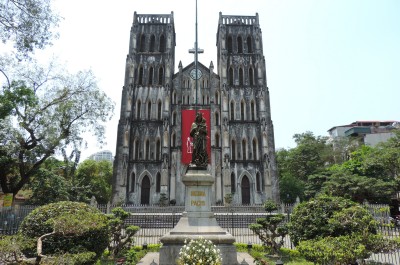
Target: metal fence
{"x": 155, "y": 221}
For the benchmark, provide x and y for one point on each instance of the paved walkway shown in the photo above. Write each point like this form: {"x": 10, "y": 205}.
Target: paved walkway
{"x": 154, "y": 256}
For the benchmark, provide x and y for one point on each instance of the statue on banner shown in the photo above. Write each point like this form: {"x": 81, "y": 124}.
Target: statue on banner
{"x": 199, "y": 133}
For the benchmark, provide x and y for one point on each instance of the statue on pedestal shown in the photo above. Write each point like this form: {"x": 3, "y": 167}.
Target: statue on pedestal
{"x": 199, "y": 133}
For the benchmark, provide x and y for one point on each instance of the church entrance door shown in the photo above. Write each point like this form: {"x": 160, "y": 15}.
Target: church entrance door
{"x": 145, "y": 191}
{"x": 245, "y": 190}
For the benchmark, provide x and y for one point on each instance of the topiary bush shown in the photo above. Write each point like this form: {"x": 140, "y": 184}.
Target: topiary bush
{"x": 66, "y": 227}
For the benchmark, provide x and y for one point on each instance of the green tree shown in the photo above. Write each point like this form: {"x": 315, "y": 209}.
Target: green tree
{"x": 96, "y": 176}
{"x": 359, "y": 188}
{"x": 28, "y": 24}
{"x": 61, "y": 108}
{"x": 48, "y": 184}
{"x": 311, "y": 156}
{"x": 334, "y": 230}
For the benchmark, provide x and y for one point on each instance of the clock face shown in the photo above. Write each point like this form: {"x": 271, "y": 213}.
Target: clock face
{"x": 193, "y": 74}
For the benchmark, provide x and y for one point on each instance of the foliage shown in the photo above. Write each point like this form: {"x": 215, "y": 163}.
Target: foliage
{"x": 311, "y": 156}
{"x": 121, "y": 234}
{"x": 358, "y": 188}
{"x": 96, "y": 177}
{"x": 270, "y": 229}
{"x": 70, "y": 227}
{"x": 48, "y": 184}
{"x": 345, "y": 249}
{"x": 290, "y": 188}
{"x": 310, "y": 219}
{"x": 82, "y": 258}
{"x": 199, "y": 251}
{"x": 60, "y": 107}
{"x": 28, "y": 24}
{"x": 10, "y": 249}
{"x": 334, "y": 230}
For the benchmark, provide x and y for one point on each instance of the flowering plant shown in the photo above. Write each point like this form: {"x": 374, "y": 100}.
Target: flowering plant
{"x": 199, "y": 251}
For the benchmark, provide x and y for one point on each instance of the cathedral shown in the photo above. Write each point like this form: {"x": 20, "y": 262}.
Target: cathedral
{"x": 159, "y": 105}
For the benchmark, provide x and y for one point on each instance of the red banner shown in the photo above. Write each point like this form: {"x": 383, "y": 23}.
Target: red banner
{"x": 188, "y": 117}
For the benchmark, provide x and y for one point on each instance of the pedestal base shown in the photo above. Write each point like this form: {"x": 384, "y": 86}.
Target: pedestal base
{"x": 197, "y": 221}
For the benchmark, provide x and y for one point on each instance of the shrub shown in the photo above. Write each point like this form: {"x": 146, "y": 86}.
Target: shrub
{"x": 121, "y": 234}
{"x": 66, "y": 227}
{"x": 310, "y": 219}
{"x": 270, "y": 229}
{"x": 333, "y": 230}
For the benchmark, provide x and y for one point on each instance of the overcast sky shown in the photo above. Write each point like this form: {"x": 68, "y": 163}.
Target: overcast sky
{"x": 328, "y": 62}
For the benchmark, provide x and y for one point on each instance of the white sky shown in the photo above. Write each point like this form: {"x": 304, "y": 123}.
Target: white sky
{"x": 328, "y": 62}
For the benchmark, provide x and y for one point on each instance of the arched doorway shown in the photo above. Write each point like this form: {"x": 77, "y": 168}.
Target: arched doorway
{"x": 245, "y": 190}
{"x": 145, "y": 191}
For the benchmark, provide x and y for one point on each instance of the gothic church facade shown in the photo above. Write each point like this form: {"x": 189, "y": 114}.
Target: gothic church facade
{"x": 149, "y": 162}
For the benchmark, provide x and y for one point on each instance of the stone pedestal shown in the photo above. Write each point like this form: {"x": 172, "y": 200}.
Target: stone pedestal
{"x": 197, "y": 221}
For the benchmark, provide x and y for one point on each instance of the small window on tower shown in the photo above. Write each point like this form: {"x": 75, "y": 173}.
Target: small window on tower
{"x": 229, "y": 44}
{"x": 162, "y": 43}
{"x": 152, "y": 43}
{"x": 142, "y": 43}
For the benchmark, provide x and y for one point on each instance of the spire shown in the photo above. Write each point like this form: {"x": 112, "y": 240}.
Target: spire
{"x": 196, "y": 74}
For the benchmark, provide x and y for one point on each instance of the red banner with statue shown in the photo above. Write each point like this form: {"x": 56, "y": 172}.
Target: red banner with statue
{"x": 188, "y": 117}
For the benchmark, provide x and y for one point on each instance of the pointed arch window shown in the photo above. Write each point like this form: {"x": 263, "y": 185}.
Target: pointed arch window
{"x": 249, "y": 45}
{"x": 216, "y": 97}
{"x": 151, "y": 73}
{"x": 240, "y": 44}
{"x": 216, "y": 118}
{"x": 233, "y": 183}
{"x": 230, "y": 76}
{"x": 147, "y": 150}
{"x": 162, "y": 43}
{"x": 152, "y": 43}
{"x": 142, "y": 43}
{"x": 253, "y": 110}
{"x": 148, "y": 110}
{"x": 255, "y": 149}
{"x": 251, "y": 76}
{"x": 229, "y": 44}
{"x": 233, "y": 150}
{"x": 232, "y": 110}
{"x": 173, "y": 140}
{"x": 158, "y": 182}
{"x": 217, "y": 140}
{"x": 174, "y": 118}
{"x": 242, "y": 110}
{"x": 140, "y": 80}
{"x": 244, "y": 149}
{"x": 159, "y": 110}
{"x": 174, "y": 97}
{"x": 160, "y": 75}
{"x": 241, "y": 76}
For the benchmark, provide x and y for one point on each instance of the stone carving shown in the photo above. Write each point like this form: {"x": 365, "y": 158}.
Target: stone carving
{"x": 199, "y": 133}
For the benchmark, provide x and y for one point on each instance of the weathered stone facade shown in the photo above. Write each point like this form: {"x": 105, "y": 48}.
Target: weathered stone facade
{"x": 148, "y": 153}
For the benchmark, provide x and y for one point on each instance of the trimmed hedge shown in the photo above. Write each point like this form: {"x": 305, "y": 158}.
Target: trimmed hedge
{"x": 78, "y": 228}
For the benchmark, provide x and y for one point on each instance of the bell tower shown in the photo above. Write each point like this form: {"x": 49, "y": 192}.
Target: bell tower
{"x": 248, "y": 149}
{"x": 142, "y": 155}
